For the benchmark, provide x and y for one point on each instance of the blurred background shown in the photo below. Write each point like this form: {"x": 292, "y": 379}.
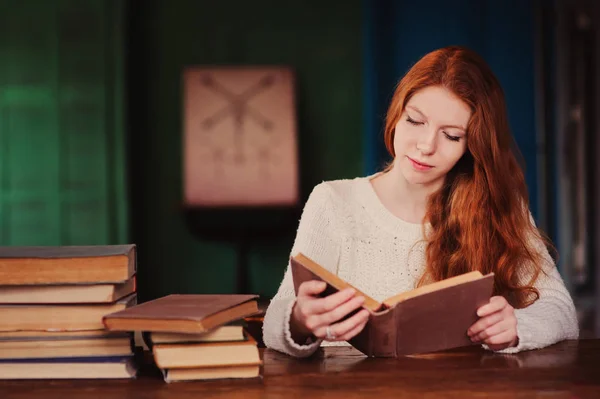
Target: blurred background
{"x": 91, "y": 121}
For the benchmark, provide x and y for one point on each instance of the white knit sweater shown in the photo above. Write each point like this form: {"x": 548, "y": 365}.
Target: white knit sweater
{"x": 345, "y": 228}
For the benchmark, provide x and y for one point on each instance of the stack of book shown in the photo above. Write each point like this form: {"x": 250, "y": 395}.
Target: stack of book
{"x": 195, "y": 337}
{"x": 52, "y": 301}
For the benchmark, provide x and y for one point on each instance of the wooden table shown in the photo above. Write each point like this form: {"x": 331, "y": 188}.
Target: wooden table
{"x": 566, "y": 370}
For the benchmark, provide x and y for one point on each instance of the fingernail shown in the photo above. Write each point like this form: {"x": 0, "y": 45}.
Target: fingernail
{"x": 350, "y": 291}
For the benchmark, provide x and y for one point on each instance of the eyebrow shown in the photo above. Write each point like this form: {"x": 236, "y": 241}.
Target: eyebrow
{"x": 423, "y": 115}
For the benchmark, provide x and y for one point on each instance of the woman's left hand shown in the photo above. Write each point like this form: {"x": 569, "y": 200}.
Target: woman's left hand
{"x": 497, "y": 326}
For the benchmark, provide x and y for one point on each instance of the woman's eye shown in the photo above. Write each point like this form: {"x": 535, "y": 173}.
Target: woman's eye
{"x": 452, "y": 138}
{"x": 412, "y": 121}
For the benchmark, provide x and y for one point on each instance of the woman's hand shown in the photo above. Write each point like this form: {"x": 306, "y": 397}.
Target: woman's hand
{"x": 497, "y": 326}
{"x": 321, "y": 317}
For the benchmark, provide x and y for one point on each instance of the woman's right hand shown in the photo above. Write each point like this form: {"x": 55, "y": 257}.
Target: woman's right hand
{"x": 313, "y": 315}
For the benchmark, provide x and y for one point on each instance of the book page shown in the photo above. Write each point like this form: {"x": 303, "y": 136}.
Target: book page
{"x": 438, "y": 285}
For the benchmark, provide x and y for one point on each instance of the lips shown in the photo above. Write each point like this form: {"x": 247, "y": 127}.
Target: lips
{"x": 419, "y": 165}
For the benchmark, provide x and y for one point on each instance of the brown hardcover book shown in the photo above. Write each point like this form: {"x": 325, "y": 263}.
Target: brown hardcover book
{"x": 112, "y": 367}
{"x": 427, "y": 319}
{"x": 67, "y": 264}
{"x": 63, "y": 348}
{"x": 66, "y": 293}
{"x": 218, "y": 334}
{"x": 183, "y": 313}
{"x": 28, "y": 335}
{"x": 207, "y": 354}
{"x": 61, "y": 317}
{"x": 211, "y": 373}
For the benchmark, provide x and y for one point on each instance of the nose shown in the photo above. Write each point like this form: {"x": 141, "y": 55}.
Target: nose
{"x": 426, "y": 145}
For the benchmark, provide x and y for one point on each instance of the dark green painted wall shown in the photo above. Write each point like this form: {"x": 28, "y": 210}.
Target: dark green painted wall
{"x": 320, "y": 40}
{"x": 62, "y": 154}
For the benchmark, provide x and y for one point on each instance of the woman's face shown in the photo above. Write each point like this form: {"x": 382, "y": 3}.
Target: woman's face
{"x": 430, "y": 136}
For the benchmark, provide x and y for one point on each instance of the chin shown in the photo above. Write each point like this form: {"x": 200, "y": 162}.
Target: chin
{"x": 413, "y": 177}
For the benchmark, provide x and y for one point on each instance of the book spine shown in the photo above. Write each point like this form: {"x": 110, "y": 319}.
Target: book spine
{"x": 383, "y": 334}
{"x": 378, "y": 338}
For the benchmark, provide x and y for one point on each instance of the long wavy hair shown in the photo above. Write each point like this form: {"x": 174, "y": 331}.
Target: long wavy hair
{"x": 480, "y": 217}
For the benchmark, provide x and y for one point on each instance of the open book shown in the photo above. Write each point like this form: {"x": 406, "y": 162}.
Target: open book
{"x": 429, "y": 318}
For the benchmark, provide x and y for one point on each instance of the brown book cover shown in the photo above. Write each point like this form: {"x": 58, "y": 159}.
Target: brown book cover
{"x": 108, "y": 367}
{"x": 226, "y": 333}
{"x": 207, "y": 354}
{"x": 28, "y": 335}
{"x": 179, "y": 313}
{"x": 66, "y": 293}
{"x": 212, "y": 373}
{"x": 63, "y": 348}
{"x": 37, "y": 265}
{"x": 60, "y": 317}
{"x": 427, "y": 319}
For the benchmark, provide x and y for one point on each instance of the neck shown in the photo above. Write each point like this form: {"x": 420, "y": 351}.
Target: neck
{"x": 406, "y": 200}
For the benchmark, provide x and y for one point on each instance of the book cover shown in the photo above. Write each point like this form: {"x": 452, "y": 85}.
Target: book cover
{"x": 183, "y": 313}
{"x": 39, "y": 265}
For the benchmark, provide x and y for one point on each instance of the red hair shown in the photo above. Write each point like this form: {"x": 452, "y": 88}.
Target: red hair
{"x": 480, "y": 217}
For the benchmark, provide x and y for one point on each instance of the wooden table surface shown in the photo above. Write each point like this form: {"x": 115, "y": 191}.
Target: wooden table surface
{"x": 567, "y": 370}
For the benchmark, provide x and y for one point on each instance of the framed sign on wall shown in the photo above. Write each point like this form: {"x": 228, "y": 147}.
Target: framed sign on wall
{"x": 240, "y": 139}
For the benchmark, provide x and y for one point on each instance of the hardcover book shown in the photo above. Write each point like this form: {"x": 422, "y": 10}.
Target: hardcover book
{"x": 430, "y": 318}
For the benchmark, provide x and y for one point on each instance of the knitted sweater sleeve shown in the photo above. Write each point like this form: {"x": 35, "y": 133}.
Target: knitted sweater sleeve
{"x": 550, "y": 319}
{"x": 316, "y": 238}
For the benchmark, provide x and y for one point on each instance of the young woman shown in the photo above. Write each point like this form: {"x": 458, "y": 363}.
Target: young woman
{"x": 453, "y": 200}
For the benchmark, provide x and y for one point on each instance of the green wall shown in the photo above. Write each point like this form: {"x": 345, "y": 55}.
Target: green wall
{"x": 320, "y": 40}
{"x": 62, "y": 153}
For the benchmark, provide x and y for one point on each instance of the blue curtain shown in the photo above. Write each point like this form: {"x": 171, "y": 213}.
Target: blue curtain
{"x": 398, "y": 33}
